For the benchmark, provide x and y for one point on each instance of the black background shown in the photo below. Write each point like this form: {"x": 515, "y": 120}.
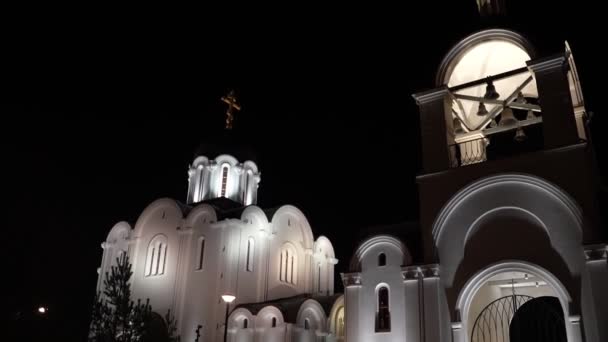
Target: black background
{"x": 104, "y": 108}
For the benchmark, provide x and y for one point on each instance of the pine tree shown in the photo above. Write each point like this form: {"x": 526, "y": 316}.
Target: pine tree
{"x": 115, "y": 317}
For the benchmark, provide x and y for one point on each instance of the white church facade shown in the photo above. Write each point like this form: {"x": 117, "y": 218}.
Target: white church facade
{"x": 509, "y": 241}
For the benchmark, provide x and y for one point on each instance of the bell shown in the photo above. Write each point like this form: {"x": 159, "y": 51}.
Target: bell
{"x": 482, "y": 111}
{"x": 519, "y": 135}
{"x": 530, "y": 115}
{"x": 493, "y": 123}
{"x": 457, "y": 126}
{"x": 520, "y": 98}
{"x": 491, "y": 91}
{"x": 507, "y": 118}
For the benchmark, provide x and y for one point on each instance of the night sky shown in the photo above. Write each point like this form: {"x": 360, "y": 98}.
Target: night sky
{"x": 103, "y": 112}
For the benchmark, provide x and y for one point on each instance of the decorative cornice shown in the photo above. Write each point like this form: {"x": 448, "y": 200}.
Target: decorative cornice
{"x": 430, "y": 271}
{"x": 431, "y": 95}
{"x": 417, "y": 272}
{"x": 184, "y": 230}
{"x": 410, "y": 273}
{"x": 106, "y": 245}
{"x": 596, "y": 252}
{"x": 351, "y": 279}
{"x": 546, "y": 64}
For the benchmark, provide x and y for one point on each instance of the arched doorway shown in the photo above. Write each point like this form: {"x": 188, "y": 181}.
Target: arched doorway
{"x": 539, "y": 320}
{"x": 497, "y": 281}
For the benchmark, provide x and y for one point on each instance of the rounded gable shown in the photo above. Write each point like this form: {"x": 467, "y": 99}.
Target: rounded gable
{"x": 379, "y": 244}
{"x": 287, "y": 212}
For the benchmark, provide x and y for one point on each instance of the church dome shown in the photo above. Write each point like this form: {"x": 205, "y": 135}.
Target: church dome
{"x": 224, "y": 167}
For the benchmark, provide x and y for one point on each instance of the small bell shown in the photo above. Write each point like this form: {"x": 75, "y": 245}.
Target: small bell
{"x": 530, "y": 115}
{"x": 482, "y": 111}
{"x": 491, "y": 91}
{"x": 520, "y": 98}
{"x": 507, "y": 118}
{"x": 493, "y": 123}
{"x": 519, "y": 135}
{"x": 457, "y": 126}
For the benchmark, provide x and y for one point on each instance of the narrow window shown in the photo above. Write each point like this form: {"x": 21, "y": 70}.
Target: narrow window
{"x": 319, "y": 278}
{"x": 201, "y": 252}
{"x": 159, "y": 263}
{"x": 245, "y": 323}
{"x": 151, "y": 252}
{"x": 382, "y": 259}
{"x": 224, "y": 180}
{"x": 281, "y": 267}
{"x": 292, "y": 279}
{"x": 383, "y": 316}
{"x": 286, "y": 266}
{"x": 247, "y": 192}
{"x": 250, "y": 251}
{"x": 201, "y": 183}
{"x": 274, "y": 322}
{"x": 306, "y": 324}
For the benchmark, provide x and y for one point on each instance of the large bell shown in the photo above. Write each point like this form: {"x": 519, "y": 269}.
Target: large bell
{"x": 457, "y": 126}
{"x": 482, "y": 111}
{"x": 519, "y": 135}
{"x": 507, "y": 118}
{"x": 491, "y": 91}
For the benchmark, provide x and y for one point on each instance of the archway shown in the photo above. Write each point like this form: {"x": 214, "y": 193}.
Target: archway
{"x": 502, "y": 280}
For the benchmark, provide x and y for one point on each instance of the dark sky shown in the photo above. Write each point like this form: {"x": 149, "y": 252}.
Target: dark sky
{"x": 104, "y": 111}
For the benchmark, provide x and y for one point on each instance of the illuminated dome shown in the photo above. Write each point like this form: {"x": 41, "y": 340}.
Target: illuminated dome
{"x": 484, "y": 54}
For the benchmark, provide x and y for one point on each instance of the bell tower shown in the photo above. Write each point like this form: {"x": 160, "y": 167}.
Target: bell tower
{"x": 499, "y": 108}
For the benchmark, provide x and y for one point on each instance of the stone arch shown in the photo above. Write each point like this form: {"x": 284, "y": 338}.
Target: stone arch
{"x": 470, "y": 289}
{"x": 528, "y": 198}
{"x": 456, "y": 52}
{"x": 313, "y": 311}
{"x": 264, "y": 317}
{"x": 337, "y": 311}
{"x": 235, "y": 321}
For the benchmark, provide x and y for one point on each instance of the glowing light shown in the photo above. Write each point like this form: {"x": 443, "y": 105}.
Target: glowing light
{"x": 228, "y": 298}
{"x": 523, "y": 284}
{"x": 42, "y": 310}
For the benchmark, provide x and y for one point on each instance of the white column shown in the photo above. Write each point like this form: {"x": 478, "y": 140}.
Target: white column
{"x": 595, "y": 296}
{"x": 412, "y": 322}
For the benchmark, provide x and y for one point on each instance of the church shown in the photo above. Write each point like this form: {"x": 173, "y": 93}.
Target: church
{"x": 509, "y": 229}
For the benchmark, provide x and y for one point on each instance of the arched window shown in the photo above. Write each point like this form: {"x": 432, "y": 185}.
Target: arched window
{"x": 274, "y": 322}
{"x": 382, "y": 259}
{"x": 383, "y": 316}
{"x": 201, "y": 182}
{"x": 340, "y": 324}
{"x": 224, "y": 180}
{"x": 245, "y": 323}
{"x": 201, "y": 253}
{"x": 306, "y": 324}
{"x": 288, "y": 263}
{"x": 250, "y": 251}
{"x": 156, "y": 256}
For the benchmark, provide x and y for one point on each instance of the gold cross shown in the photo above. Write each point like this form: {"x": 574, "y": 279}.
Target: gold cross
{"x": 230, "y": 100}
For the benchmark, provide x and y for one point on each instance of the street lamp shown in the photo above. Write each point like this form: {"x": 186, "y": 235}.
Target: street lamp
{"x": 228, "y": 298}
